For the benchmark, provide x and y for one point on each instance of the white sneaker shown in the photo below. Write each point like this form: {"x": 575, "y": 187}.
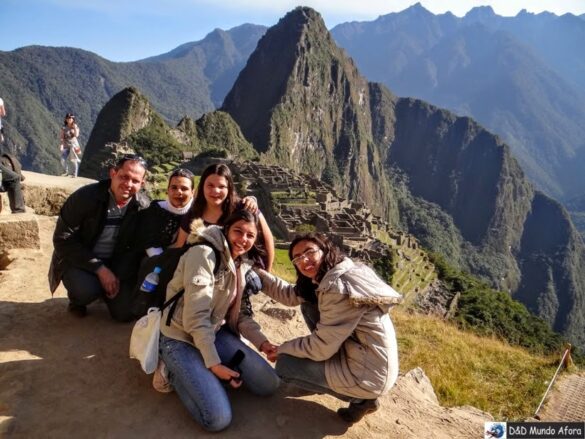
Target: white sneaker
{"x": 160, "y": 379}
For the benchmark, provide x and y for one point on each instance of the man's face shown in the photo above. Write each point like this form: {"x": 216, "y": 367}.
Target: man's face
{"x": 127, "y": 180}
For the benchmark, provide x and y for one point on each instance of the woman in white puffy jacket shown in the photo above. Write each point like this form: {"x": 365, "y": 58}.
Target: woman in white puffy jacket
{"x": 351, "y": 352}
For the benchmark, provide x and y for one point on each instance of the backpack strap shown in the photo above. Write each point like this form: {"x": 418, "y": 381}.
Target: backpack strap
{"x": 175, "y": 299}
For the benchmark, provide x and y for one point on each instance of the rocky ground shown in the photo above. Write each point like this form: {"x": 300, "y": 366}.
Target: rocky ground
{"x": 61, "y": 376}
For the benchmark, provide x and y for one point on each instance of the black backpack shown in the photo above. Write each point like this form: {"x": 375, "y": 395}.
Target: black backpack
{"x": 167, "y": 261}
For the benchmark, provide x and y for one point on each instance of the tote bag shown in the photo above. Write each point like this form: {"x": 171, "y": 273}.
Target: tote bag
{"x": 144, "y": 340}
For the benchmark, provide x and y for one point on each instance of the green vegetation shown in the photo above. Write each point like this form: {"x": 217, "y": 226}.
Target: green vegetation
{"x": 490, "y": 312}
{"x": 384, "y": 267}
{"x": 466, "y": 369}
{"x": 155, "y": 144}
{"x": 283, "y": 267}
{"x": 305, "y": 228}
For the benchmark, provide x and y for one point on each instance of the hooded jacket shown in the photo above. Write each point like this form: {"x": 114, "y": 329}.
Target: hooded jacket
{"x": 354, "y": 336}
{"x": 205, "y": 305}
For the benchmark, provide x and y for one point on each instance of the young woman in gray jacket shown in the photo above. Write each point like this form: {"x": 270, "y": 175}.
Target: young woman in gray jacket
{"x": 351, "y": 352}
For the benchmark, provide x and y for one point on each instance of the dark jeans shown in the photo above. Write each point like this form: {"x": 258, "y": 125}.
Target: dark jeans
{"x": 84, "y": 287}
{"x": 11, "y": 182}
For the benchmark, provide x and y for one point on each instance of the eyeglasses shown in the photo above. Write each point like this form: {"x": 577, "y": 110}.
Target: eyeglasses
{"x": 307, "y": 255}
{"x": 131, "y": 158}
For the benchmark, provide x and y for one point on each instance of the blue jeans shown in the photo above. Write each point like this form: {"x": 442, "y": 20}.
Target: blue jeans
{"x": 304, "y": 372}
{"x": 202, "y": 393}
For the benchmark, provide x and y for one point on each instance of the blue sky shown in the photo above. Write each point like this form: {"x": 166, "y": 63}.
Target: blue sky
{"x": 127, "y": 30}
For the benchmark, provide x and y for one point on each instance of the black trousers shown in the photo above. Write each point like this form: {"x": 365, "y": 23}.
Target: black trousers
{"x": 84, "y": 287}
{"x": 11, "y": 182}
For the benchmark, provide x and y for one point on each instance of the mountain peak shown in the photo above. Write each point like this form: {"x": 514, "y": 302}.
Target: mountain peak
{"x": 480, "y": 13}
{"x": 264, "y": 81}
{"x": 417, "y": 10}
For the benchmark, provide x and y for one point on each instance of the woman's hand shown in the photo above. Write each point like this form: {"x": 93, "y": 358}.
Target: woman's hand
{"x": 270, "y": 350}
{"x": 251, "y": 204}
{"x": 224, "y": 373}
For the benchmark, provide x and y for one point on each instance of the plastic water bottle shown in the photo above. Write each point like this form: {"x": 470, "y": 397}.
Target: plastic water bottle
{"x": 150, "y": 281}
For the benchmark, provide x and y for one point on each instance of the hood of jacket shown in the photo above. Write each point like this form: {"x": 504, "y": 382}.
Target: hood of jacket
{"x": 211, "y": 234}
{"x": 361, "y": 284}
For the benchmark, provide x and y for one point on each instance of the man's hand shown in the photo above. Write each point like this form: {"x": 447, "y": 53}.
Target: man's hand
{"x": 224, "y": 373}
{"x": 109, "y": 281}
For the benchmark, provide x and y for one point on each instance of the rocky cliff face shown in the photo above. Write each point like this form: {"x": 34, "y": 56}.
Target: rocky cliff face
{"x": 129, "y": 118}
{"x": 302, "y": 103}
{"x": 126, "y": 113}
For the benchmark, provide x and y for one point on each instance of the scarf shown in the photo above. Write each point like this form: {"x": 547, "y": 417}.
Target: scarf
{"x": 166, "y": 205}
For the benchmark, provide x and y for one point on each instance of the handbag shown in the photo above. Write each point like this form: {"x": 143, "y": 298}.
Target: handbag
{"x": 144, "y": 340}
{"x": 146, "y": 334}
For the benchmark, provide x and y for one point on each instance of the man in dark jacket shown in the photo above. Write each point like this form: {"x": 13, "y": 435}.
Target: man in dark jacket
{"x": 92, "y": 240}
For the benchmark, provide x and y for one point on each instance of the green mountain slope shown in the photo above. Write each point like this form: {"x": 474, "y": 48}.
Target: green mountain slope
{"x": 41, "y": 84}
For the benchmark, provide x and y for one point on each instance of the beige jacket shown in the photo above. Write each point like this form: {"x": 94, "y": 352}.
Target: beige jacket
{"x": 354, "y": 336}
{"x": 206, "y": 303}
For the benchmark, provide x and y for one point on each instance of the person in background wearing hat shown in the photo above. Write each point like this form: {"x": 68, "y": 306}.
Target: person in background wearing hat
{"x": 93, "y": 238}
{"x": 70, "y": 150}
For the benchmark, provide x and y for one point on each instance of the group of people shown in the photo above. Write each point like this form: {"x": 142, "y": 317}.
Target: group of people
{"x": 107, "y": 230}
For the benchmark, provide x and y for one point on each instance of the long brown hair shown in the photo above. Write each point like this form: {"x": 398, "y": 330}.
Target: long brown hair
{"x": 257, "y": 253}
{"x": 332, "y": 255}
{"x": 228, "y": 204}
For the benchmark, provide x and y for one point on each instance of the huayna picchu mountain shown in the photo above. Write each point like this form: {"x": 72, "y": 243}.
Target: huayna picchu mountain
{"x": 302, "y": 103}
{"x": 128, "y": 120}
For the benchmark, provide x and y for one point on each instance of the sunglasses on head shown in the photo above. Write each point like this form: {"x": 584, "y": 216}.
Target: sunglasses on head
{"x": 131, "y": 158}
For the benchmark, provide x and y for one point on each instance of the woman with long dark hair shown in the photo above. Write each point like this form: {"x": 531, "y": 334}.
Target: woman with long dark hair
{"x": 351, "y": 352}
{"x": 203, "y": 334}
{"x": 215, "y": 200}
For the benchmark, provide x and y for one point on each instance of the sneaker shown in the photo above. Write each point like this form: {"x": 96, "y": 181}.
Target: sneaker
{"x": 160, "y": 379}
{"x": 77, "y": 310}
{"x": 357, "y": 410}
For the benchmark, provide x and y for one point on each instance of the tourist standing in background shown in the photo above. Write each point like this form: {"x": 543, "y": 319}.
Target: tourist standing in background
{"x": 70, "y": 149}
{"x": 2, "y": 114}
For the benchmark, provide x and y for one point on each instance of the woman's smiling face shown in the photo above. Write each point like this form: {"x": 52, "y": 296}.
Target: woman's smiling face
{"x": 241, "y": 237}
{"x": 215, "y": 190}
{"x": 180, "y": 191}
{"x": 307, "y": 257}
